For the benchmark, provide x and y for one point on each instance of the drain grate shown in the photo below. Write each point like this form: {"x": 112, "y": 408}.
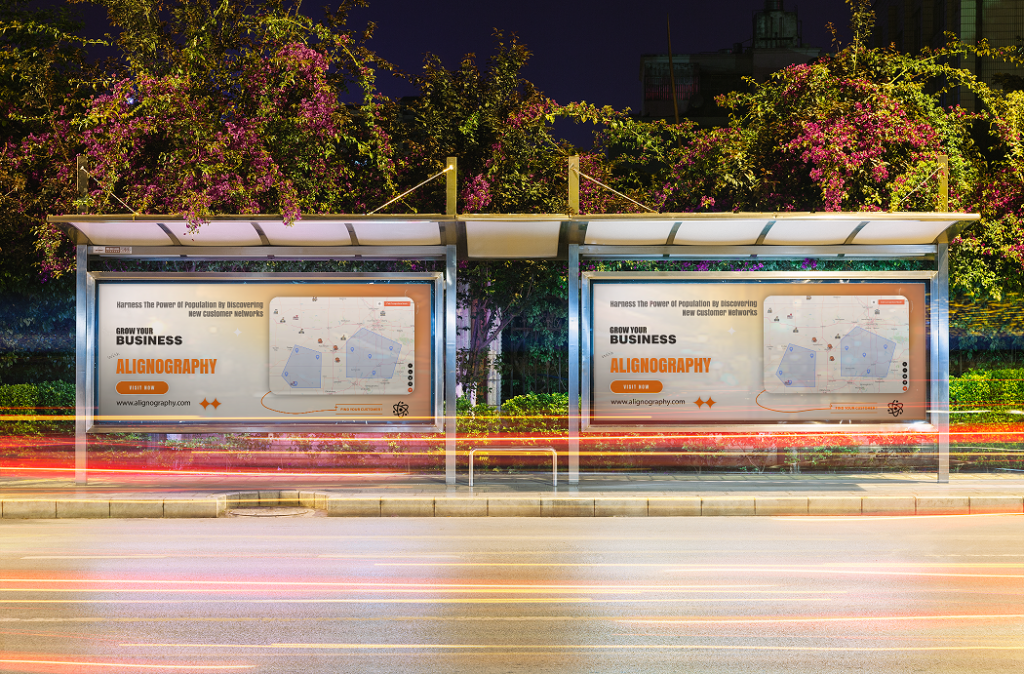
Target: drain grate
{"x": 272, "y": 511}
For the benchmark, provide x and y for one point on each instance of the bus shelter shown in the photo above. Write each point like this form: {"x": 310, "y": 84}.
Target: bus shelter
{"x": 807, "y": 351}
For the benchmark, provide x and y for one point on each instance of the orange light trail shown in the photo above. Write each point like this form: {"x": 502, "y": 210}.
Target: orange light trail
{"x": 117, "y": 665}
{"x": 563, "y": 647}
{"x": 847, "y": 571}
{"x": 364, "y": 586}
{"x": 872, "y": 618}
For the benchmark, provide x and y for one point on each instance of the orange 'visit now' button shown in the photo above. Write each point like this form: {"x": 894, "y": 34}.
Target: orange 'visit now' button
{"x": 636, "y": 386}
{"x": 137, "y": 387}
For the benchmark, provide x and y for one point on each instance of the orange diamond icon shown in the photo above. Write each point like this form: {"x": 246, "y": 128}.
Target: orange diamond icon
{"x": 710, "y": 402}
{"x": 215, "y": 403}
{"x": 204, "y": 403}
{"x": 699, "y": 403}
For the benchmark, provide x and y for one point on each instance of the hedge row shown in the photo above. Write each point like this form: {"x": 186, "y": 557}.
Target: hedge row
{"x": 993, "y": 390}
{"x": 49, "y": 397}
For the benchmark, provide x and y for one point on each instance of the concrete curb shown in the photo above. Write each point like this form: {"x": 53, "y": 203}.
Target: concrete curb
{"x": 618, "y": 505}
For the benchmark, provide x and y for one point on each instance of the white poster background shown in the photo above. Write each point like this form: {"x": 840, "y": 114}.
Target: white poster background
{"x": 236, "y": 388}
{"x": 724, "y": 323}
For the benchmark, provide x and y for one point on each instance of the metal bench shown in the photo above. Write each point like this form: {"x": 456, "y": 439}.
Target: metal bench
{"x": 517, "y": 450}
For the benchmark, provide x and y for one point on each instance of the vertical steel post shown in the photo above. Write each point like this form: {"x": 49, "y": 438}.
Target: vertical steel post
{"x": 943, "y": 205}
{"x": 452, "y": 187}
{"x": 574, "y": 186}
{"x": 941, "y": 327}
{"x": 450, "y": 401}
{"x": 81, "y": 357}
{"x": 574, "y": 363}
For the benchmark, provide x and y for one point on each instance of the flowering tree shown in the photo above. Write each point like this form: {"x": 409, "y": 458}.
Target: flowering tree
{"x": 855, "y": 130}
{"x": 45, "y": 80}
{"x": 988, "y": 258}
{"x": 238, "y": 109}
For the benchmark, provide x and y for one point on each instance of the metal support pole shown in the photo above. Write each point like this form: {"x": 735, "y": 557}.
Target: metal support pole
{"x": 574, "y": 364}
{"x": 452, "y": 187}
{"x": 943, "y": 205}
{"x": 941, "y": 403}
{"x": 81, "y": 358}
{"x": 574, "y": 186}
{"x": 450, "y": 402}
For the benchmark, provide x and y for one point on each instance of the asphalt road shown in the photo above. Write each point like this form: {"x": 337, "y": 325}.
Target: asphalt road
{"x": 311, "y": 594}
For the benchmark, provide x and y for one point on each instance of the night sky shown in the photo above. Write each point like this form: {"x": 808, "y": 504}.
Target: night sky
{"x": 582, "y": 50}
{"x": 586, "y": 51}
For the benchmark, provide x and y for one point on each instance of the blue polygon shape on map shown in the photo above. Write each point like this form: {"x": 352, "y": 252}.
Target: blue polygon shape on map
{"x": 865, "y": 354}
{"x": 797, "y": 366}
{"x": 371, "y": 356}
{"x": 303, "y": 369}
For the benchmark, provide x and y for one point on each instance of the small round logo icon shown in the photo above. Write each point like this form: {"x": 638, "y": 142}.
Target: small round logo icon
{"x": 400, "y": 409}
{"x": 895, "y": 408}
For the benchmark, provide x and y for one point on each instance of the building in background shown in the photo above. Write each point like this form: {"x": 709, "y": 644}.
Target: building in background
{"x": 776, "y": 42}
{"x": 910, "y": 25}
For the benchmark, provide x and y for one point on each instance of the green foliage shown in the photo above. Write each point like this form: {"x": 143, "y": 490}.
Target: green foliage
{"x": 48, "y": 398}
{"x": 45, "y": 80}
{"x": 995, "y": 392}
{"x": 55, "y": 397}
{"x": 18, "y": 398}
{"x": 536, "y": 413}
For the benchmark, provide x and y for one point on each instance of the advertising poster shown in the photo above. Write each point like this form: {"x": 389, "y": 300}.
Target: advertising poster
{"x": 690, "y": 352}
{"x": 264, "y": 352}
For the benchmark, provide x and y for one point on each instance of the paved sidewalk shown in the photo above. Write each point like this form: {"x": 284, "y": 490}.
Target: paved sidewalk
{"x": 163, "y": 494}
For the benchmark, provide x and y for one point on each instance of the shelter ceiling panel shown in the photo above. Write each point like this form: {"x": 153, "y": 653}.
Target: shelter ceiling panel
{"x": 306, "y": 233}
{"x": 398, "y": 233}
{"x": 882, "y": 232}
{"x": 124, "y": 233}
{"x": 720, "y": 232}
{"x": 217, "y": 233}
{"x": 628, "y": 232}
{"x": 809, "y": 232}
{"x": 512, "y": 239}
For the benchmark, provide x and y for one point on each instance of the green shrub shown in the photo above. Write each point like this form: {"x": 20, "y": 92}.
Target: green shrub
{"x": 56, "y": 397}
{"x": 997, "y": 392}
{"x": 49, "y": 397}
{"x": 537, "y": 404}
{"x": 19, "y": 398}
{"x": 536, "y": 413}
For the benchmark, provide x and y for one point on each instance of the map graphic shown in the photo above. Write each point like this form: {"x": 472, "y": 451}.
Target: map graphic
{"x": 836, "y": 344}
{"x": 342, "y": 345}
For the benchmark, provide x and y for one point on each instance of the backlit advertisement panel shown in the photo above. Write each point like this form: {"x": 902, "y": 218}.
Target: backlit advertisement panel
{"x": 672, "y": 352}
{"x": 259, "y": 352}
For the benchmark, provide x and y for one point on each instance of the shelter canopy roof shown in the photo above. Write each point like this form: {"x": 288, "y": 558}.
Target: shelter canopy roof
{"x": 492, "y": 236}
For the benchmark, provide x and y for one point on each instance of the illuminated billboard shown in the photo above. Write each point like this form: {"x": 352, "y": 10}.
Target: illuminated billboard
{"x": 247, "y": 352}
{"x": 666, "y": 351}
